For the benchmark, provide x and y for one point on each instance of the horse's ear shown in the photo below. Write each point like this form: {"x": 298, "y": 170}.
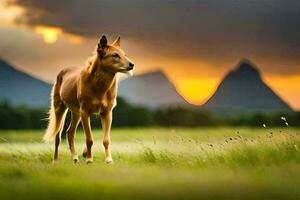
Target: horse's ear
{"x": 103, "y": 42}
{"x": 117, "y": 42}
{"x": 102, "y": 45}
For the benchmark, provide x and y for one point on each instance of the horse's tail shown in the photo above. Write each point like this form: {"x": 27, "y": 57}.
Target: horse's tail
{"x": 57, "y": 112}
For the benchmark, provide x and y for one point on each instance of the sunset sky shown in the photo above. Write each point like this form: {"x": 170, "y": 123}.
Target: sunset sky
{"x": 195, "y": 42}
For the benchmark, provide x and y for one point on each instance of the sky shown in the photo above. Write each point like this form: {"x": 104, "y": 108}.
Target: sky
{"x": 195, "y": 42}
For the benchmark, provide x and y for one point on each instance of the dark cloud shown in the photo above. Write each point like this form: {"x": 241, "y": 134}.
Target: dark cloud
{"x": 212, "y": 30}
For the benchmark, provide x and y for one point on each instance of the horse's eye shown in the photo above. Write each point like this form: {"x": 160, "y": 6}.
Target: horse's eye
{"x": 115, "y": 55}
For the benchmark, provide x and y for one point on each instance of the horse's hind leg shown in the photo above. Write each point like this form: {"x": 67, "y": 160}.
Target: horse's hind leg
{"x": 60, "y": 113}
{"x": 57, "y": 142}
{"x": 71, "y": 135}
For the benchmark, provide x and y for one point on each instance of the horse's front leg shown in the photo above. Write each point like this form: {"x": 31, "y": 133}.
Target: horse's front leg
{"x": 85, "y": 119}
{"x": 106, "y": 120}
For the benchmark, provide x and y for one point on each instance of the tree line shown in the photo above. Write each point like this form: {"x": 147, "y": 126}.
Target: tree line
{"x": 127, "y": 115}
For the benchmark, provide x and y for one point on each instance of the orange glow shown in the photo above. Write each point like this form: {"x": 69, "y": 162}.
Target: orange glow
{"x": 196, "y": 91}
{"x": 74, "y": 39}
{"x": 9, "y": 14}
{"x": 287, "y": 87}
{"x": 50, "y": 34}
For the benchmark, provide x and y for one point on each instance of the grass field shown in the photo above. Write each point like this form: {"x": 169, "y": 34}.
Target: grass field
{"x": 155, "y": 163}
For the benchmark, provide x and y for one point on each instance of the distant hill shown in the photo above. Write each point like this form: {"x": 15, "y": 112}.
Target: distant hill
{"x": 243, "y": 91}
{"x": 20, "y": 88}
{"x": 152, "y": 89}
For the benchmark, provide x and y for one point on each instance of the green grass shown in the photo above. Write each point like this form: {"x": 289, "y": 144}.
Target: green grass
{"x": 156, "y": 163}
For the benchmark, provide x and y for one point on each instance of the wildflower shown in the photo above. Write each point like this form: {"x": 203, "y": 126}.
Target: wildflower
{"x": 264, "y": 125}
{"x": 286, "y": 123}
{"x": 283, "y": 118}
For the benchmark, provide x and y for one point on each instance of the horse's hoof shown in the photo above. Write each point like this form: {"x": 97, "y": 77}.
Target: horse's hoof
{"x": 75, "y": 158}
{"x": 76, "y": 161}
{"x": 84, "y": 153}
{"x": 55, "y": 162}
{"x": 89, "y": 161}
{"x": 109, "y": 161}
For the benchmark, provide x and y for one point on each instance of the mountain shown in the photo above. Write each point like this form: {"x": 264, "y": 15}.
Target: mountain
{"x": 19, "y": 88}
{"x": 152, "y": 89}
{"x": 243, "y": 91}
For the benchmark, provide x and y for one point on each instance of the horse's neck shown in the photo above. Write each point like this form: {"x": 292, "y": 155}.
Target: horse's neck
{"x": 102, "y": 80}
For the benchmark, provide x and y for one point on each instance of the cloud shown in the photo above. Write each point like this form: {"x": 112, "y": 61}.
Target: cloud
{"x": 215, "y": 31}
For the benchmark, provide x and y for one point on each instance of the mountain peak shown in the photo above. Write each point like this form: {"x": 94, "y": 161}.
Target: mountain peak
{"x": 244, "y": 71}
{"x": 157, "y": 73}
{"x": 247, "y": 65}
{"x": 153, "y": 77}
{"x": 243, "y": 90}
{"x": 247, "y": 68}
{"x": 153, "y": 89}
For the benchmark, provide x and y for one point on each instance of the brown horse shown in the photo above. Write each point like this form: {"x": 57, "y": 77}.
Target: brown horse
{"x": 92, "y": 89}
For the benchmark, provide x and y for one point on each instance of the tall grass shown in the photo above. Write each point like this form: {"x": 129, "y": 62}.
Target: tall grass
{"x": 155, "y": 163}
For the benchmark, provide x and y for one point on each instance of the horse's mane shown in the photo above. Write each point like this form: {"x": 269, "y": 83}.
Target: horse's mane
{"x": 91, "y": 61}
